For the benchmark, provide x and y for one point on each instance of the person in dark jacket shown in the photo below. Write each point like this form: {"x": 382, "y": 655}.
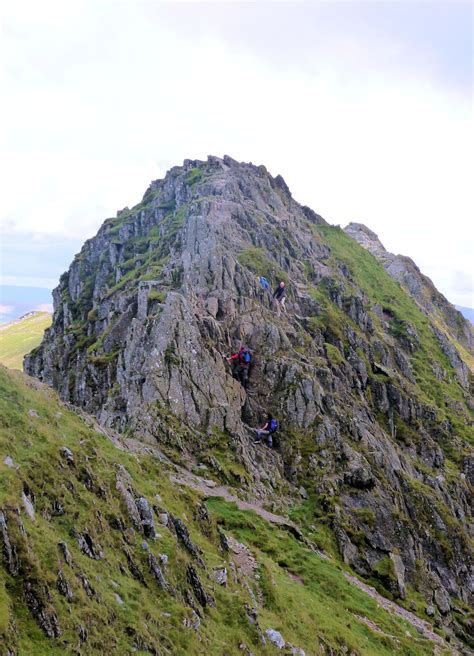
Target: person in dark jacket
{"x": 279, "y": 295}
{"x": 241, "y": 365}
{"x": 267, "y": 430}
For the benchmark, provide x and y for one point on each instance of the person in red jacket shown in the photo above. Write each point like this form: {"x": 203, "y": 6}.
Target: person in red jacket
{"x": 241, "y": 365}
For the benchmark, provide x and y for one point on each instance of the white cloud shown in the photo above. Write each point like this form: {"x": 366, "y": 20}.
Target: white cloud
{"x": 29, "y": 281}
{"x": 100, "y": 99}
{"x": 6, "y": 309}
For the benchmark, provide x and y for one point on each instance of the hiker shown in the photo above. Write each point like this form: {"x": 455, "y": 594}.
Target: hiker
{"x": 241, "y": 365}
{"x": 264, "y": 283}
{"x": 267, "y": 430}
{"x": 279, "y": 294}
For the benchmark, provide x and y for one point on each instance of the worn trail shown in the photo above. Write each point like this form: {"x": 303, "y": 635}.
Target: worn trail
{"x": 210, "y": 489}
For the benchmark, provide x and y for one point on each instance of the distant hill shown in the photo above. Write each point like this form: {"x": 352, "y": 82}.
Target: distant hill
{"x": 17, "y": 301}
{"x": 468, "y": 313}
{"x": 19, "y": 337}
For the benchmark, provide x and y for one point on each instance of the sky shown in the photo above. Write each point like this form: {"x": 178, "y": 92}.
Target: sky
{"x": 365, "y": 108}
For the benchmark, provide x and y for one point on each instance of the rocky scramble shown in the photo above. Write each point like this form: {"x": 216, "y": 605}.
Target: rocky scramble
{"x": 372, "y": 389}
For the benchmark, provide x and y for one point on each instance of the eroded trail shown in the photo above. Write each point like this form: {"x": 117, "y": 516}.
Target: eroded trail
{"x": 209, "y": 488}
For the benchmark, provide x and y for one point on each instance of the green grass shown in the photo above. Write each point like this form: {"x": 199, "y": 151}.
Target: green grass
{"x": 369, "y": 276}
{"x": 20, "y": 337}
{"x": 259, "y": 263}
{"x": 322, "y": 602}
{"x": 320, "y": 611}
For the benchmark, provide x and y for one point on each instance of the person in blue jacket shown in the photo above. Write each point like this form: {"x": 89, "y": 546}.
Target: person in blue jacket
{"x": 267, "y": 430}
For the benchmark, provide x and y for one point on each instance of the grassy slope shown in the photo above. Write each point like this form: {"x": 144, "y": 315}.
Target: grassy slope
{"x": 370, "y": 276}
{"x": 323, "y": 610}
{"x": 20, "y": 337}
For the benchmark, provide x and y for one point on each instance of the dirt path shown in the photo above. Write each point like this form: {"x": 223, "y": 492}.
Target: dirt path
{"x": 424, "y": 628}
{"x": 211, "y": 489}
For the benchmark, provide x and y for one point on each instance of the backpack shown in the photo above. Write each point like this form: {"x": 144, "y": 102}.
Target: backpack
{"x": 273, "y": 426}
{"x": 245, "y": 356}
{"x": 264, "y": 282}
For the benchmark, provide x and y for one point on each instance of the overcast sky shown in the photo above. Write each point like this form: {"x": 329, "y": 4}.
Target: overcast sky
{"x": 365, "y": 108}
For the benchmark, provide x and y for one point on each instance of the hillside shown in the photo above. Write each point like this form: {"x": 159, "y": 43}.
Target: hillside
{"x": 104, "y": 553}
{"x": 19, "y": 337}
{"x": 372, "y": 392}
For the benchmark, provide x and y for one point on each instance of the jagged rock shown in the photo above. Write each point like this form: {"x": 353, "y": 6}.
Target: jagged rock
{"x": 201, "y": 595}
{"x": 146, "y": 515}
{"x": 193, "y": 623}
{"x": 223, "y": 541}
{"x": 157, "y": 572}
{"x": 430, "y": 610}
{"x": 28, "y": 505}
{"x": 441, "y": 598}
{"x": 87, "y": 546}
{"x": 163, "y": 559}
{"x": 32, "y": 413}
{"x": 378, "y": 368}
{"x": 8, "y": 461}
{"x": 405, "y": 271}
{"x": 9, "y": 551}
{"x": 135, "y": 571}
{"x": 83, "y": 634}
{"x": 67, "y": 455}
{"x": 163, "y": 518}
{"x": 124, "y": 486}
{"x": 360, "y": 477}
{"x": 66, "y": 553}
{"x": 46, "y": 619}
{"x": 303, "y": 492}
{"x": 275, "y": 638}
{"x": 64, "y": 586}
{"x": 185, "y": 539}
{"x": 57, "y": 509}
{"x": 296, "y": 651}
{"x": 89, "y": 590}
{"x": 252, "y": 617}
{"x": 220, "y": 575}
{"x": 399, "y": 570}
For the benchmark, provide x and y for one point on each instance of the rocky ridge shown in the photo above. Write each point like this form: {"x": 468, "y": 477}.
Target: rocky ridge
{"x": 374, "y": 404}
{"x": 404, "y": 270}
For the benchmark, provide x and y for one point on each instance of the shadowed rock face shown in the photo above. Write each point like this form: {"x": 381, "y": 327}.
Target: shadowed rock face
{"x": 149, "y": 307}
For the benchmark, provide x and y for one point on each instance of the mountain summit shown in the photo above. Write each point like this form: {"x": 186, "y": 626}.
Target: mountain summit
{"x": 371, "y": 389}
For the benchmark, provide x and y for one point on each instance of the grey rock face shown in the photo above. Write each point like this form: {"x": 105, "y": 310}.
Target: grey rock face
{"x": 157, "y": 572}
{"x": 146, "y": 514}
{"x": 9, "y": 551}
{"x": 153, "y": 302}
{"x": 47, "y": 620}
{"x": 201, "y": 595}
{"x": 275, "y": 638}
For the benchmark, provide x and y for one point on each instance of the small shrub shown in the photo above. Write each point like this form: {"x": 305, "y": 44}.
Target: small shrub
{"x": 156, "y": 295}
{"x": 334, "y": 354}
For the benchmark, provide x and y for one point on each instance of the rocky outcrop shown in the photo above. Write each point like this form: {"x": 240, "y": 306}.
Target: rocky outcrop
{"x": 419, "y": 286}
{"x": 372, "y": 404}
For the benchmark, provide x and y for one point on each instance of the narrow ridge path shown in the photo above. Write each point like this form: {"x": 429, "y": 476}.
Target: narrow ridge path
{"x": 211, "y": 489}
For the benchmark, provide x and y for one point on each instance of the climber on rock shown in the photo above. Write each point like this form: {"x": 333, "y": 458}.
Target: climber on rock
{"x": 263, "y": 282}
{"x": 241, "y": 365}
{"x": 279, "y": 295}
{"x": 266, "y": 431}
